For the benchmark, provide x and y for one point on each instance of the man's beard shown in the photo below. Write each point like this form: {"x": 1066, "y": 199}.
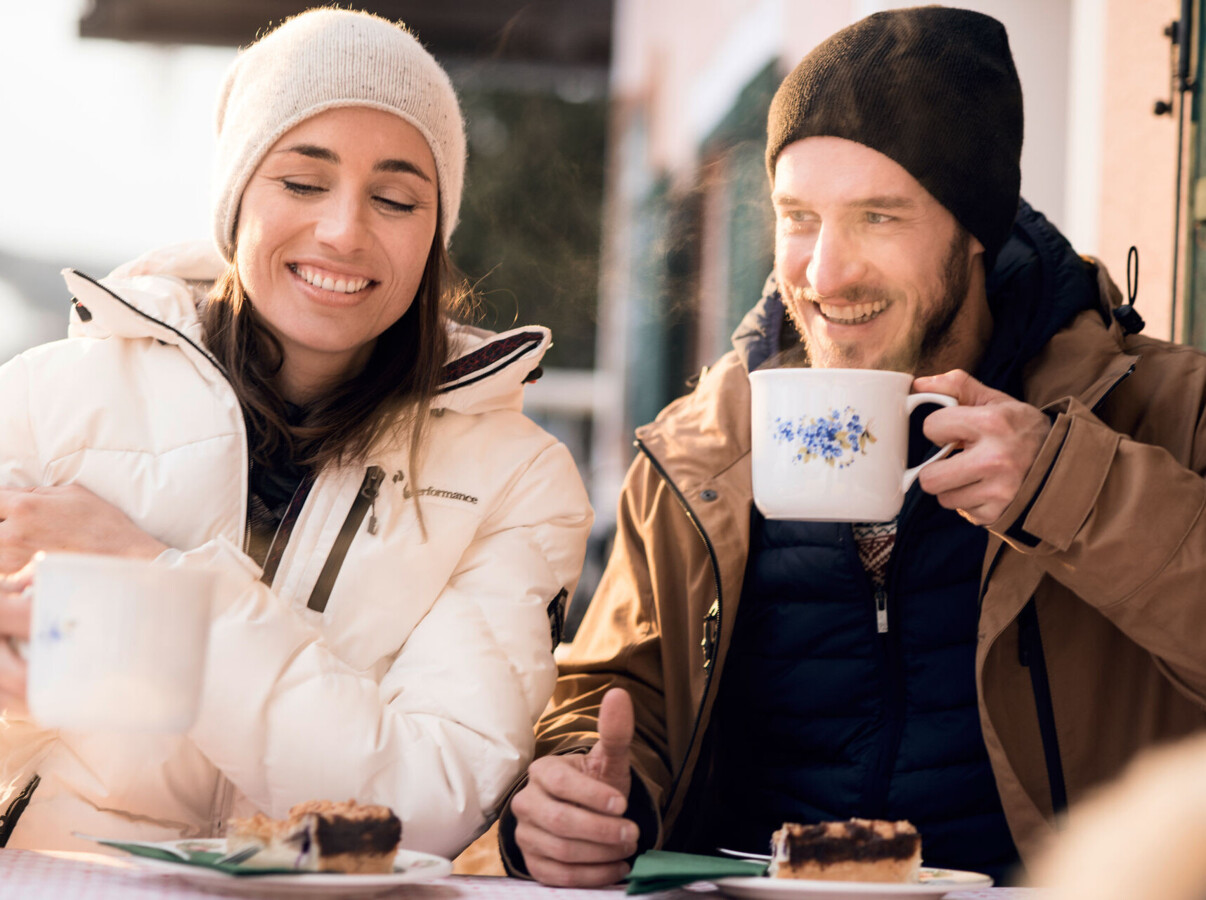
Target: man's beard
{"x": 928, "y": 336}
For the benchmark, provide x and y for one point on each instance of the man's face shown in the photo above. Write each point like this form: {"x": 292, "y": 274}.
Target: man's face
{"x": 875, "y": 273}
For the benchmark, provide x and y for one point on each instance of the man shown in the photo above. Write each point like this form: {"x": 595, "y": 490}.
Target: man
{"x": 1032, "y": 618}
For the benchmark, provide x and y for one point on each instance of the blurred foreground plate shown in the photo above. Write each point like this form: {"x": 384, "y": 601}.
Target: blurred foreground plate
{"x": 410, "y": 867}
{"x": 934, "y": 883}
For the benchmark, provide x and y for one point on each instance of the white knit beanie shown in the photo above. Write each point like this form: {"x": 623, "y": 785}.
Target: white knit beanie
{"x": 320, "y": 60}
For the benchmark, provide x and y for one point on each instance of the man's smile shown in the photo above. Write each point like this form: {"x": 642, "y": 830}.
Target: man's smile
{"x": 850, "y": 313}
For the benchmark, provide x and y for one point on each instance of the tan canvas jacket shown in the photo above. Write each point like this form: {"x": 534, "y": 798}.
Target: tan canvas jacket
{"x": 1107, "y": 534}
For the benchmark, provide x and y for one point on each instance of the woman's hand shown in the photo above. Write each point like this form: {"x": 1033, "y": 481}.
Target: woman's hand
{"x": 66, "y": 518}
{"x": 14, "y": 626}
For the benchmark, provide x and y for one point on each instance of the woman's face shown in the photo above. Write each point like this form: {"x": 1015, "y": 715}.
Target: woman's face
{"x": 334, "y": 231}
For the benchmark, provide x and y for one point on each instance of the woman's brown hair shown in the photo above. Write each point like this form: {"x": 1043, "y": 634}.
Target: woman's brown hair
{"x": 393, "y": 390}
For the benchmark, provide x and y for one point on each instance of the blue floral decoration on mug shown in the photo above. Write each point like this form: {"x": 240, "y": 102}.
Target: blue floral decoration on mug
{"x": 57, "y": 631}
{"x": 838, "y": 438}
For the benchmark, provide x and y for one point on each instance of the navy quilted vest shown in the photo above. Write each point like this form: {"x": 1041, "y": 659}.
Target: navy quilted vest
{"x": 825, "y": 717}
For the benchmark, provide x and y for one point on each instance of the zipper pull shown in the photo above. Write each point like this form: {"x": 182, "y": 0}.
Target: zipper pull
{"x": 247, "y": 511}
{"x": 711, "y": 628}
{"x": 881, "y": 610}
{"x": 370, "y": 488}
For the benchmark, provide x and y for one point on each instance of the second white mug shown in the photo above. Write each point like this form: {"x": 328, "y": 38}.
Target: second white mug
{"x": 116, "y": 644}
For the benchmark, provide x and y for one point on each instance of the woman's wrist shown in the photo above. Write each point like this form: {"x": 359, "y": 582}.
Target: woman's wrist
{"x": 146, "y": 548}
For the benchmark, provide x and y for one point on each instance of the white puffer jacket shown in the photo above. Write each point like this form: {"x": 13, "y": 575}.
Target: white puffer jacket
{"x": 413, "y": 678}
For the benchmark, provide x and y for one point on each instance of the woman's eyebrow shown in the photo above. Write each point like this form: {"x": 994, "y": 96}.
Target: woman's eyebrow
{"x": 314, "y": 151}
{"x": 400, "y": 165}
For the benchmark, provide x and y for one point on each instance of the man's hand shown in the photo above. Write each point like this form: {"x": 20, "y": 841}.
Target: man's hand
{"x": 999, "y": 437}
{"x": 570, "y": 824}
{"x": 66, "y": 518}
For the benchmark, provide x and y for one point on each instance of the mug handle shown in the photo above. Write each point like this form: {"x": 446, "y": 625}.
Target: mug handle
{"x": 911, "y": 403}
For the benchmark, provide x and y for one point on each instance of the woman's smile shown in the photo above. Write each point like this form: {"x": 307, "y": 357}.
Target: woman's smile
{"x": 329, "y": 281}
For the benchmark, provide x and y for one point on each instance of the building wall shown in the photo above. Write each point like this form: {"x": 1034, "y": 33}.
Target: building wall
{"x": 1138, "y": 154}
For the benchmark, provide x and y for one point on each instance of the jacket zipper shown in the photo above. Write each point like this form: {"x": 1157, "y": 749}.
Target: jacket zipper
{"x": 8, "y": 821}
{"x": 366, "y": 500}
{"x": 1030, "y": 655}
{"x": 220, "y": 812}
{"x": 284, "y": 528}
{"x": 711, "y": 638}
{"x": 247, "y": 512}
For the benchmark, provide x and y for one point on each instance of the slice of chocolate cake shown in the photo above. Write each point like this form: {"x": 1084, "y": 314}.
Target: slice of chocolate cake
{"x": 857, "y": 850}
{"x": 321, "y": 836}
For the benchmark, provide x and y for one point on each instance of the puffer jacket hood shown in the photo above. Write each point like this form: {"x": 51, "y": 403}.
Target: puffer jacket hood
{"x": 1038, "y": 285}
{"x": 157, "y": 295}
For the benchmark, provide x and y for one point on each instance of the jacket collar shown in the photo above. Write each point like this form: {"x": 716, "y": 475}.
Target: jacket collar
{"x": 704, "y": 434}
{"x": 485, "y": 371}
{"x": 1038, "y": 286}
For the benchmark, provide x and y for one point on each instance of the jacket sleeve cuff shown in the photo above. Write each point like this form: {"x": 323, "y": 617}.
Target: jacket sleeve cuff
{"x": 1063, "y": 483}
{"x": 508, "y": 849}
{"x": 641, "y": 810}
{"x": 512, "y": 857}
{"x": 235, "y": 569}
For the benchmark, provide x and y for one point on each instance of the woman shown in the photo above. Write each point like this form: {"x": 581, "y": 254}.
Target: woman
{"x": 394, "y": 534}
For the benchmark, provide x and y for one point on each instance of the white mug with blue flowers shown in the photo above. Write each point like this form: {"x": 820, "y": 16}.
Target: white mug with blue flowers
{"x": 831, "y": 445}
{"x": 117, "y": 644}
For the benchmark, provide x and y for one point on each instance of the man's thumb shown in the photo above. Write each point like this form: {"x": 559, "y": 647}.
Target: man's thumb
{"x": 609, "y": 758}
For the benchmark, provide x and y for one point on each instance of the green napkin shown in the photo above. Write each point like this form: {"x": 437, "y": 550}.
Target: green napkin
{"x": 661, "y": 870}
{"x": 204, "y": 858}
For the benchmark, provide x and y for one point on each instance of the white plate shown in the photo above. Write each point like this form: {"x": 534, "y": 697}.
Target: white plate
{"x": 934, "y": 883}
{"x": 410, "y": 867}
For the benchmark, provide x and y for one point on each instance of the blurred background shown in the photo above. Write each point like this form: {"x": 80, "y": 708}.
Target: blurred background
{"x": 616, "y": 188}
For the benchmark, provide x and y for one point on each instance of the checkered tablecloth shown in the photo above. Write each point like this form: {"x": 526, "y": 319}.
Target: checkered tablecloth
{"x": 35, "y": 875}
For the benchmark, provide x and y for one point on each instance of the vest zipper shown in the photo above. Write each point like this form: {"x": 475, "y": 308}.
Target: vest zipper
{"x": 881, "y": 610}
{"x": 892, "y": 673}
{"x": 366, "y": 499}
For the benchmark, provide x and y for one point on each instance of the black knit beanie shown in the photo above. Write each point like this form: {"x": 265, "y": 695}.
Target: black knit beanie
{"x": 934, "y": 89}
